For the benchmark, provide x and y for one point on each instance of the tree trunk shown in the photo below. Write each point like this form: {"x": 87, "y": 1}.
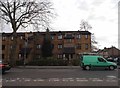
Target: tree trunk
{"x": 13, "y": 50}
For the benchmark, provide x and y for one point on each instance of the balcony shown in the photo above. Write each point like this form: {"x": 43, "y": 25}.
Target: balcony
{"x": 69, "y": 50}
{"x": 69, "y": 36}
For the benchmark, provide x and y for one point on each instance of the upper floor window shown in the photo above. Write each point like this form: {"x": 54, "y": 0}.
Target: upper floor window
{"x": 78, "y": 36}
{"x": 21, "y": 37}
{"x": 59, "y": 46}
{"x": 86, "y": 36}
{"x": 3, "y": 38}
{"x": 86, "y": 46}
{"x": 69, "y": 40}
{"x": 60, "y": 36}
{"x": 11, "y": 46}
{"x": 78, "y": 46}
{"x": 12, "y": 38}
{"x": 52, "y": 37}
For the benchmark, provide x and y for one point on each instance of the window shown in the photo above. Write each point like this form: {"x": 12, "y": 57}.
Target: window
{"x": 78, "y": 46}
{"x": 3, "y": 47}
{"x": 59, "y": 56}
{"x": 38, "y": 46}
{"x": 60, "y": 36}
{"x": 101, "y": 60}
{"x": 12, "y": 38}
{"x": 59, "y": 46}
{"x": 21, "y": 37}
{"x": 11, "y": 47}
{"x": 86, "y": 36}
{"x": 3, "y": 38}
{"x": 52, "y": 37}
{"x": 69, "y": 40}
{"x": 86, "y": 46}
{"x": 78, "y": 36}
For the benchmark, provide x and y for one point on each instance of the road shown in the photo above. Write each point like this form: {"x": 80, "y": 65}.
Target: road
{"x": 60, "y": 77}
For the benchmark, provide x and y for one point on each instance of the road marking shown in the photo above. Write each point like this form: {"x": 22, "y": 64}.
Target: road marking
{"x": 111, "y": 76}
{"x": 18, "y": 78}
{"x": 35, "y": 80}
{"x": 82, "y": 80}
{"x": 71, "y": 80}
{"x": 27, "y": 80}
{"x": 12, "y": 80}
{"x": 111, "y": 80}
{"x": 54, "y": 79}
{"x": 41, "y": 80}
{"x": 65, "y": 80}
{"x": 98, "y": 80}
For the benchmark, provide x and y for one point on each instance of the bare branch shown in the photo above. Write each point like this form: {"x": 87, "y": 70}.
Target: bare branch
{"x": 21, "y": 13}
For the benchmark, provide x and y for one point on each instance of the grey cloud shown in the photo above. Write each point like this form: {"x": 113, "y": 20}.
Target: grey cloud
{"x": 97, "y": 2}
{"x": 82, "y": 5}
{"x": 95, "y": 17}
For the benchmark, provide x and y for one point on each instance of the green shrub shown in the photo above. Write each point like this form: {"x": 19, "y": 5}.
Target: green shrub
{"x": 19, "y": 63}
{"x": 76, "y": 62}
{"x": 48, "y": 62}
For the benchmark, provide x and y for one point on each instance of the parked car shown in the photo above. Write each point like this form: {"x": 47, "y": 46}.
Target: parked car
{"x": 4, "y": 67}
{"x": 90, "y": 61}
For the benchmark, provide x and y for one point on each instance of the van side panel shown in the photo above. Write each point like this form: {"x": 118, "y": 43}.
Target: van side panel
{"x": 90, "y": 60}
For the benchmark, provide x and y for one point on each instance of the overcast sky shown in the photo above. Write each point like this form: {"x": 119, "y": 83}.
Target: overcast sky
{"x": 102, "y": 15}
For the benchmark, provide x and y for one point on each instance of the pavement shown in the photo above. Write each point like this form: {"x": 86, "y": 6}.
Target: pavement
{"x": 51, "y": 67}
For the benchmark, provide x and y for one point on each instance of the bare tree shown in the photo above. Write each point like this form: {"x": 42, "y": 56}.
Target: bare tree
{"x": 24, "y": 13}
{"x": 94, "y": 43}
{"x": 85, "y": 26}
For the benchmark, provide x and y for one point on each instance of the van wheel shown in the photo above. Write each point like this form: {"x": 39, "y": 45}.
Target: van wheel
{"x": 111, "y": 67}
{"x": 87, "y": 67}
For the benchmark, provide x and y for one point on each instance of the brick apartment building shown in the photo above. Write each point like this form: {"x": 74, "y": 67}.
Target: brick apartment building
{"x": 67, "y": 44}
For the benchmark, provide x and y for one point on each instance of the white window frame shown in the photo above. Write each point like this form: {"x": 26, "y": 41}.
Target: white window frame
{"x": 60, "y": 56}
{"x": 12, "y": 38}
{"x": 86, "y": 36}
{"x": 38, "y": 46}
{"x": 52, "y": 37}
{"x": 60, "y": 46}
{"x": 21, "y": 37}
{"x": 59, "y": 36}
{"x": 3, "y": 38}
{"x": 69, "y": 40}
{"x": 78, "y": 36}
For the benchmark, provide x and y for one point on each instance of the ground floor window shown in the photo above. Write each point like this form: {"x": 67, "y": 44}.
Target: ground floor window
{"x": 60, "y": 56}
